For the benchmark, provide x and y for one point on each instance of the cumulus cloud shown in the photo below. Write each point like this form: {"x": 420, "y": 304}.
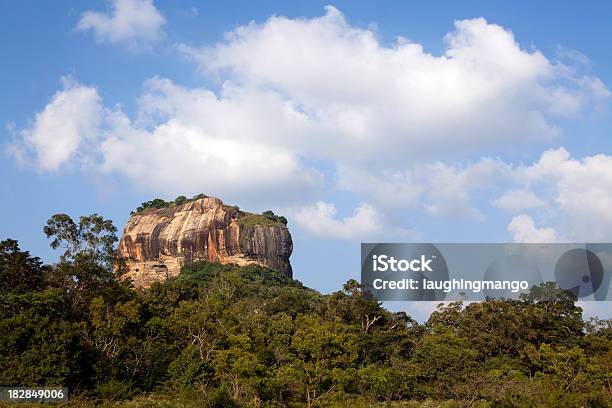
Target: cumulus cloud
{"x": 131, "y": 22}
{"x": 485, "y": 90}
{"x": 572, "y": 195}
{"x": 393, "y": 123}
{"x": 62, "y": 131}
{"x": 366, "y": 223}
{"x": 523, "y": 230}
{"x": 391, "y": 189}
{"x": 192, "y": 140}
{"x": 182, "y": 141}
{"x": 449, "y": 188}
{"x": 519, "y": 200}
{"x": 441, "y": 189}
{"x": 320, "y": 219}
{"x": 580, "y": 189}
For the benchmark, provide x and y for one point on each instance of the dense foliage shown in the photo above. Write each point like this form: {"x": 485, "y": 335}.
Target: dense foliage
{"x": 222, "y": 335}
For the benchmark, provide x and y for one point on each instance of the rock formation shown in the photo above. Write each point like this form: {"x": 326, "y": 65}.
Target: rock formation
{"x": 156, "y": 243}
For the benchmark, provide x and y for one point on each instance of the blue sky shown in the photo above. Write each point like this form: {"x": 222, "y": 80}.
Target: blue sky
{"x": 441, "y": 122}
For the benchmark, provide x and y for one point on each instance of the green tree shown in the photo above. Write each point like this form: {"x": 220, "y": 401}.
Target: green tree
{"x": 321, "y": 349}
{"x": 239, "y": 367}
{"x": 93, "y": 238}
{"x": 443, "y": 358}
{"x": 19, "y": 272}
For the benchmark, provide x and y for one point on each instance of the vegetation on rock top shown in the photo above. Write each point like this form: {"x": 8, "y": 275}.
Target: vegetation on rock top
{"x": 160, "y": 203}
{"x": 267, "y": 218}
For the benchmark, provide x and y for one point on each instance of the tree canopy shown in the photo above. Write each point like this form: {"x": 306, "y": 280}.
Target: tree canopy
{"x": 224, "y": 335}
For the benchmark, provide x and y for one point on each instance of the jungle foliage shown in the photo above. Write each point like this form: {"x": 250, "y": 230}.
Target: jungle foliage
{"x": 223, "y": 336}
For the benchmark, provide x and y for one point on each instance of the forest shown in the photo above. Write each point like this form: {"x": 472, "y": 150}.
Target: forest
{"x": 230, "y": 336}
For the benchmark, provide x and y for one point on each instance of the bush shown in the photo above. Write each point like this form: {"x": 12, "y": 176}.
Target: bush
{"x": 114, "y": 390}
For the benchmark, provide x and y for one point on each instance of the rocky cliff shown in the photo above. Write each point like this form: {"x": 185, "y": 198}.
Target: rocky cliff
{"x": 156, "y": 243}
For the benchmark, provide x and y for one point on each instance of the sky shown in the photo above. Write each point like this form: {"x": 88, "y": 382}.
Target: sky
{"x": 358, "y": 121}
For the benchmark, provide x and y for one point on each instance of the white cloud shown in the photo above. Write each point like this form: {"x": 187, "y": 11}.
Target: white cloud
{"x": 519, "y": 200}
{"x": 580, "y": 189}
{"x": 320, "y": 219}
{"x": 574, "y": 196}
{"x": 391, "y": 189}
{"x": 190, "y": 140}
{"x": 132, "y": 22}
{"x": 523, "y": 230}
{"x": 371, "y": 103}
{"x": 62, "y": 130}
{"x": 183, "y": 142}
{"x": 295, "y": 93}
{"x": 441, "y": 189}
{"x": 366, "y": 223}
{"x": 449, "y": 188}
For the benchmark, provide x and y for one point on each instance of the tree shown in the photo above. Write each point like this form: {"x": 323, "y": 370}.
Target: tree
{"x": 39, "y": 344}
{"x": 567, "y": 366}
{"x": 93, "y": 238}
{"x": 443, "y": 358}
{"x": 19, "y": 272}
{"x": 321, "y": 348}
{"x": 238, "y": 367}
{"x": 554, "y": 315}
{"x": 384, "y": 382}
{"x": 273, "y": 217}
{"x": 86, "y": 268}
{"x": 40, "y": 347}
{"x": 354, "y": 305}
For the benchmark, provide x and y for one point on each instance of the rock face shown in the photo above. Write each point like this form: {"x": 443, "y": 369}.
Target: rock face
{"x": 156, "y": 243}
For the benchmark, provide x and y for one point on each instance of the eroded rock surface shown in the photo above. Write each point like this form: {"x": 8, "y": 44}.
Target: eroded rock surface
{"x": 156, "y": 243}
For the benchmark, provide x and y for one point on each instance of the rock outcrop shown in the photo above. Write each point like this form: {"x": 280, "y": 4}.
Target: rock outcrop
{"x": 156, "y": 243}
